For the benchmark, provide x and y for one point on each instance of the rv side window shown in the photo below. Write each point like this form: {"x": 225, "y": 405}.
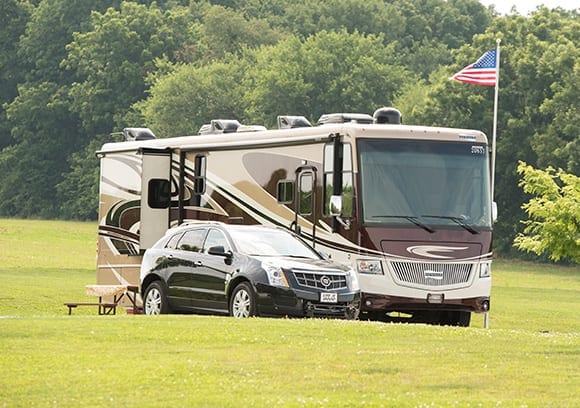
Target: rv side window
{"x": 347, "y": 178}
{"x": 199, "y": 178}
{"x": 305, "y": 203}
{"x": 285, "y": 191}
{"x": 159, "y": 193}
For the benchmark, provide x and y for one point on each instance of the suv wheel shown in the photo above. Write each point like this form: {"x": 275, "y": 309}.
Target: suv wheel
{"x": 155, "y": 301}
{"x": 242, "y": 301}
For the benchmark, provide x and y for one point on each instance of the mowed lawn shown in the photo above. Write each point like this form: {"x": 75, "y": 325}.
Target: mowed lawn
{"x": 530, "y": 355}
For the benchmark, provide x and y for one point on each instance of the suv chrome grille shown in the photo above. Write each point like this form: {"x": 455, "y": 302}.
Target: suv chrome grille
{"x": 320, "y": 280}
{"x": 432, "y": 274}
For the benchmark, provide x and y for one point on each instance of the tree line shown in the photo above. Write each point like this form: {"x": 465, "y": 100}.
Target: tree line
{"x": 74, "y": 72}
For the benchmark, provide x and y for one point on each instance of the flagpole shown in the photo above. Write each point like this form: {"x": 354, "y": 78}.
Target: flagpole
{"x": 494, "y": 137}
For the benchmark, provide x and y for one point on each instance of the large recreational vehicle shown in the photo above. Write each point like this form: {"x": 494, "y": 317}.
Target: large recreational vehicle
{"x": 408, "y": 207}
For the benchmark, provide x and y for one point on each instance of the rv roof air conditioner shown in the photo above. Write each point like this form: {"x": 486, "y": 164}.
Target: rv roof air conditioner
{"x": 251, "y": 128}
{"x": 218, "y": 126}
{"x": 362, "y": 118}
{"x": 291, "y": 122}
{"x": 137, "y": 134}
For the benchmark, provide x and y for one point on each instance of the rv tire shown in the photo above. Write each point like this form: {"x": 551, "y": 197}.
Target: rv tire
{"x": 452, "y": 318}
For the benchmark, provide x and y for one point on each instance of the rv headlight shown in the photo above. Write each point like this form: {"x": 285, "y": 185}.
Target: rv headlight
{"x": 276, "y": 276}
{"x": 352, "y": 281}
{"x": 485, "y": 270}
{"x": 369, "y": 266}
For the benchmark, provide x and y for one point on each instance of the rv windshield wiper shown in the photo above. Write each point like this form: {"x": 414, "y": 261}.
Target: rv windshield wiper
{"x": 410, "y": 218}
{"x": 458, "y": 220}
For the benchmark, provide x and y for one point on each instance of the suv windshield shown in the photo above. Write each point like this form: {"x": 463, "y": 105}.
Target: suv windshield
{"x": 268, "y": 242}
{"x": 425, "y": 183}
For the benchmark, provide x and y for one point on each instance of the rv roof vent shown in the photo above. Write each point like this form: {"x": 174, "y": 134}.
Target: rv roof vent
{"x": 388, "y": 115}
{"x": 220, "y": 126}
{"x": 251, "y": 128}
{"x": 291, "y": 122}
{"x": 345, "y": 118}
{"x": 204, "y": 129}
{"x": 137, "y": 134}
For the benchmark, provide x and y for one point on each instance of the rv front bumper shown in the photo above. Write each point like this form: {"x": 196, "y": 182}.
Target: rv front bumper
{"x": 382, "y": 303}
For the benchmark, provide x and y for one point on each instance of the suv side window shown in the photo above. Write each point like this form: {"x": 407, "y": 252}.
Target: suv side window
{"x": 215, "y": 238}
{"x": 192, "y": 240}
{"x": 172, "y": 242}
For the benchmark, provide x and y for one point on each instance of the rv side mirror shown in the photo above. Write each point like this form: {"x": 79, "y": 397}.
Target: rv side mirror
{"x": 335, "y": 205}
{"x": 199, "y": 179}
{"x": 494, "y": 211}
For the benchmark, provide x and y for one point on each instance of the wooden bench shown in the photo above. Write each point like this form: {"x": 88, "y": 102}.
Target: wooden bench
{"x": 104, "y": 308}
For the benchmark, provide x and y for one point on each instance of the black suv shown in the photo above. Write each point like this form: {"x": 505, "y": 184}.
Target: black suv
{"x": 241, "y": 270}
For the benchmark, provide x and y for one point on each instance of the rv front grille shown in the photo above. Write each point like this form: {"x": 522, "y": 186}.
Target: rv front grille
{"x": 320, "y": 280}
{"x": 432, "y": 274}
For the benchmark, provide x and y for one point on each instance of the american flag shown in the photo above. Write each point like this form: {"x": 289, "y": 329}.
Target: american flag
{"x": 482, "y": 72}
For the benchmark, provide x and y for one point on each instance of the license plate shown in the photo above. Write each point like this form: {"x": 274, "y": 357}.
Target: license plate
{"x": 326, "y": 297}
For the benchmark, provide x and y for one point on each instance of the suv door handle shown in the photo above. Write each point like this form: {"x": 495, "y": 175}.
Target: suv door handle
{"x": 198, "y": 263}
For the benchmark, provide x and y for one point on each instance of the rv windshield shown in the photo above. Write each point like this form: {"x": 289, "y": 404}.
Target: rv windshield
{"x": 425, "y": 183}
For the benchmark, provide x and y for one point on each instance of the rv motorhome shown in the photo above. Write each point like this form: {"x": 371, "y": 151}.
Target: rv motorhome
{"x": 408, "y": 207}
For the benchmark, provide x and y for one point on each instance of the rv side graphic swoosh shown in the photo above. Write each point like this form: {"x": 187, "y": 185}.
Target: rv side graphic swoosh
{"x": 425, "y": 251}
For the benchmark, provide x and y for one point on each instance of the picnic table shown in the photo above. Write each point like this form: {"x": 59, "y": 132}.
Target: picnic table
{"x": 118, "y": 292}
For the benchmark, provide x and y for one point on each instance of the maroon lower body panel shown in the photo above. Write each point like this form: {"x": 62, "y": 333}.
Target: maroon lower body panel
{"x": 374, "y": 303}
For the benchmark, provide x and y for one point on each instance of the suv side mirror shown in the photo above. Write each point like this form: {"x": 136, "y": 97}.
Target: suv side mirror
{"x": 219, "y": 251}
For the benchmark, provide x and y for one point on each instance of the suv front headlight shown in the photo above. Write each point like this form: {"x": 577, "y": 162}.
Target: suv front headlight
{"x": 276, "y": 276}
{"x": 352, "y": 280}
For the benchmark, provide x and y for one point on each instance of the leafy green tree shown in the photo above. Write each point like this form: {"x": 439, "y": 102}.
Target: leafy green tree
{"x": 183, "y": 100}
{"x": 328, "y": 72}
{"x": 44, "y": 130}
{"x": 112, "y": 60}
{"x": 553, "y": 226}
{"x": 15, "y": 14}
{"x": 49, "y": 29}
{"x": 558, "y": 144}
{"x": 79, "y": 190}
{"x": 45, "y": 136}
{"x": 228, "y": 32}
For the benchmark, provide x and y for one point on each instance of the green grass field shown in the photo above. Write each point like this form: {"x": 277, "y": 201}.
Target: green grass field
{"x": 530, "y": 355}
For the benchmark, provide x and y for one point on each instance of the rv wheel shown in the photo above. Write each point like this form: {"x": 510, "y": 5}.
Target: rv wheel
{"x": 155, "y": 301}
{"x": 461, "y": 319}
{"x": 242, "y": 302}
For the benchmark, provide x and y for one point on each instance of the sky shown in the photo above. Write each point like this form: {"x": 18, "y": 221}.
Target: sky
{"x": 525, "y": 6}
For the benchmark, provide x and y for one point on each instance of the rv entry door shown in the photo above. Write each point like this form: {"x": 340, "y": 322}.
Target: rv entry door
{"x": 155, "y": 196}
